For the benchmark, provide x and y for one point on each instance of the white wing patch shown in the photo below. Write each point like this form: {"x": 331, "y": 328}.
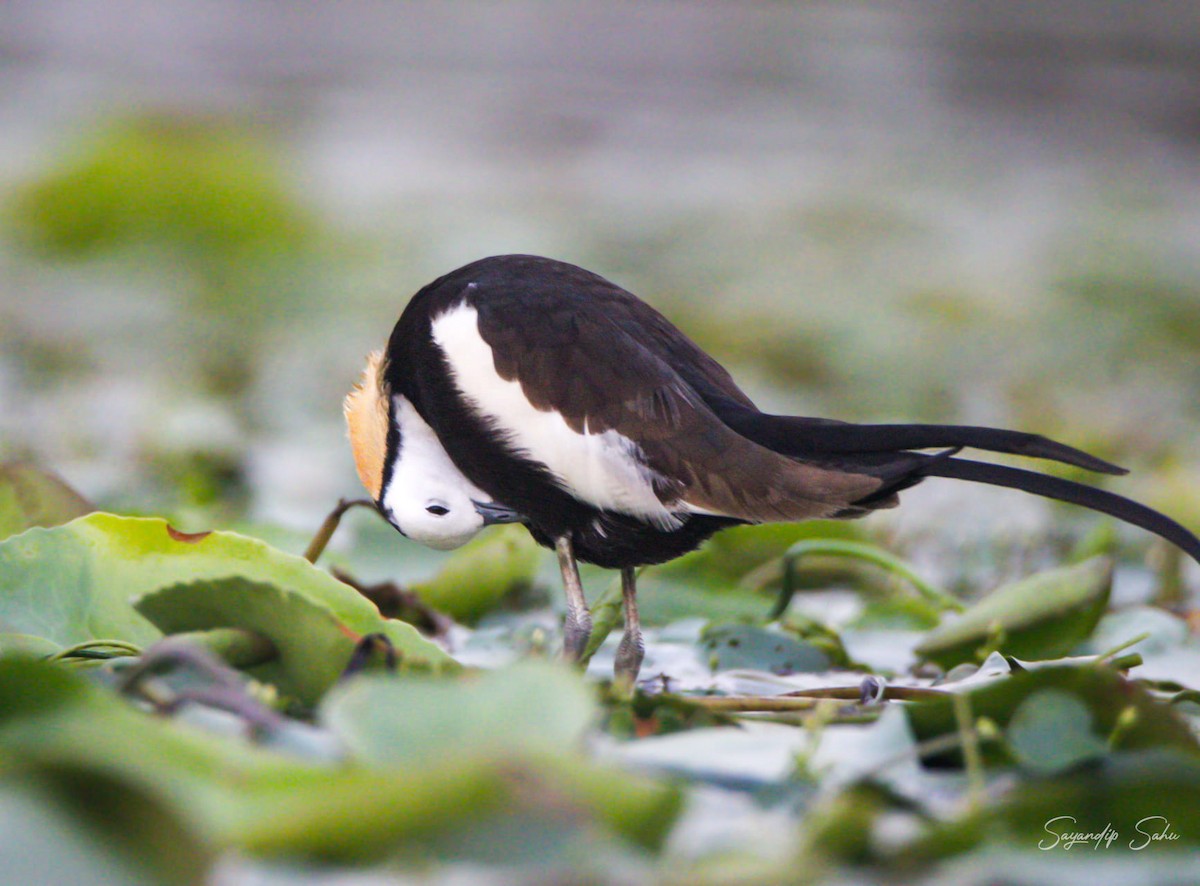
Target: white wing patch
{"x": 605, "y": 470}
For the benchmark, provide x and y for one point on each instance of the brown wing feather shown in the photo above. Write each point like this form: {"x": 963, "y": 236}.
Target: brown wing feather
{"x": 583, "y": 354}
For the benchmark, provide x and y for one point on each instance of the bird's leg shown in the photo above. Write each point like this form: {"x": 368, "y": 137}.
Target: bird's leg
{"x": 578, "y": 625}
{"x": 632, "y": 649}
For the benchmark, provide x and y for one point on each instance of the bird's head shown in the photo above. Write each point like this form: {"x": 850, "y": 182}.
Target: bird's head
{"x": 414, "y": 482}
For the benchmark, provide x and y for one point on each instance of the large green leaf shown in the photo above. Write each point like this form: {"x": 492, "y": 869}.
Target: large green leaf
{"x": 76, "y": 582}
{"x": 312, "y": 646}
{"x": 533, "y": 715}
{"x": 30, "y": 497}
{"x": 531, "y": 706}
{"x": 1040, "y": 617}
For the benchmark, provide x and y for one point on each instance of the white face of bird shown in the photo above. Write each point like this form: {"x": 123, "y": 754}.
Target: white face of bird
{"x": 426, "y": 497}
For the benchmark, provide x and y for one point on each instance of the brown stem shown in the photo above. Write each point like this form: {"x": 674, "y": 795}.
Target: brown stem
{"x": 316, "y": 547}
{"x": 854, "y": 693}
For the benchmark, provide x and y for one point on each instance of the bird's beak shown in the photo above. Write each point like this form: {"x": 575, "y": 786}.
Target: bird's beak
{"x": 496, "y": 513}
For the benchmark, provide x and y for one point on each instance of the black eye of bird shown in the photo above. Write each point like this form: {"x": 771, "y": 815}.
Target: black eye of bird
{"x": 437, "y": 510}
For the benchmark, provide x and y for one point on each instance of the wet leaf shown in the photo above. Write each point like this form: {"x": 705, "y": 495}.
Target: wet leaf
{"x": 27, "y": 644}
{"x": 529, "y": 707}
{"x": 747, "y": 646}
{"x": 1039, "y": 617}
{"x": 1051, "y": 731}
{"x": 76, "y": 582}
{"x": 31, "y": 497}
{"x": 1123, "y": 714}
{"x": 312, "y": 646}
{"x": 725, "y": 578}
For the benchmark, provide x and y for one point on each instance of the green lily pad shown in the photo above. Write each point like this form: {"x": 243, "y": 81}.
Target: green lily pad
{"x": 75, "y": 583}
{"x": 1040, "y": 617}
{"x": 747, "y": 646}
{"x": 1052, "y": 731}
{"x": 531, "y": 706}
{"x": 482, "y": 573}
{"x": 31, "y": 497}
{"x": 1123, "y": 715}
{"x": 533, "y": 714}
{"x": 312, "y": 646}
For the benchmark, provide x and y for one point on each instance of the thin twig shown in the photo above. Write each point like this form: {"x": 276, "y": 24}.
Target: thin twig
{"x": 854, "y": 693}
{"x": 316, "y": 547}
{"x": 753, "y": 703}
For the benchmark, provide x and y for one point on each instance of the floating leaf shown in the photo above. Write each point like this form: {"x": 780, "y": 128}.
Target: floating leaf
{"x": 747, "y": 646}
{"x": 1051, "y": 731}
{"x": 531, "y": 706}
{"x": 30, "y": 497}
{"x": 533, "y": 714}
{"x": 482, "y": 573}
{"x": 1123, "y": 714}
{"x": 1039, "y": 617}
{"x": 312, "y": 646}
{"x": 664, "y": 597}
{"x": 75, "y": 583}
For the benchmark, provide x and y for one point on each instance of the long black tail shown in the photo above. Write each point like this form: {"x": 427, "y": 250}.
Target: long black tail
{"x": 1066, "y": 490}
{"x": 803, "y": 437}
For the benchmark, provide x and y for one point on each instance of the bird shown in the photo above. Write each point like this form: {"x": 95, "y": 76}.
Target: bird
{"x": 525, "y": 389}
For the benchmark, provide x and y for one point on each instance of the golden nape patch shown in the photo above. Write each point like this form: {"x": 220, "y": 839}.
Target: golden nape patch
{"x": 366, "y": 410}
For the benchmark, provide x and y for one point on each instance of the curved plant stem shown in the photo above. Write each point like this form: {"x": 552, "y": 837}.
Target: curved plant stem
{"x": 317, "y": 546}
{"x": 837, "y": 547}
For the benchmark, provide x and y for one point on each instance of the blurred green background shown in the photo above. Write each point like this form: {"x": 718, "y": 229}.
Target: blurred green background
{"x": 946, "y": 211}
